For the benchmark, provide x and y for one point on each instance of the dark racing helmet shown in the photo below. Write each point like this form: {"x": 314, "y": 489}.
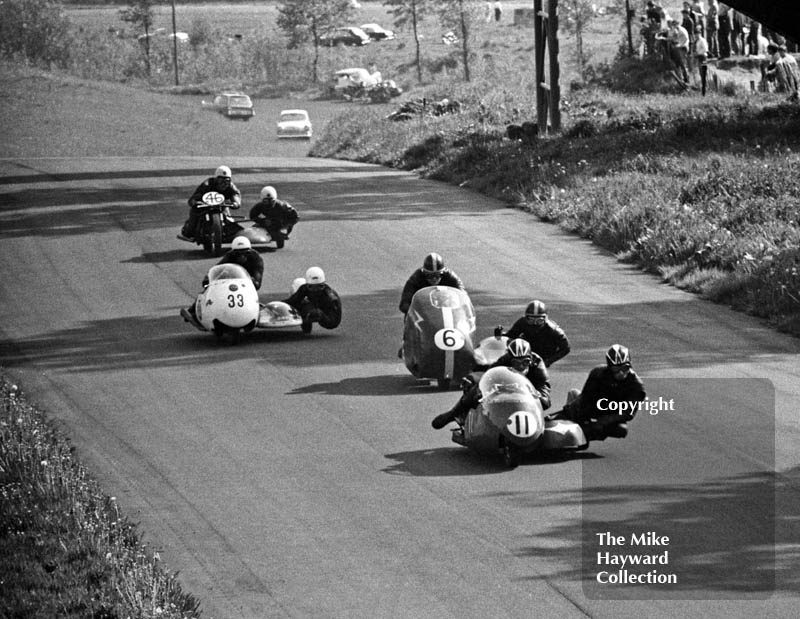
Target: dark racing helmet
{"x": 433, "y": 264}
{"x": 536, "y": 308}
{"x": 618, "y": 355}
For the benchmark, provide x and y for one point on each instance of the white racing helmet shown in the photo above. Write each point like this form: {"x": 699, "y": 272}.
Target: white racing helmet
{"x": 240, "y": 242}
{"x": 298, "y": 281}
{"x": 268, "y": 192}
{"x": 223, "y": 170}
{"x": 315, "y": 275}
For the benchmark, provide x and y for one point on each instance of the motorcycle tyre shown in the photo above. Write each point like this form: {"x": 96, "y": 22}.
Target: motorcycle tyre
{"x": 216, "y": 234}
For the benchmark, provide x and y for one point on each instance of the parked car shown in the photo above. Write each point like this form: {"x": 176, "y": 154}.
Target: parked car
{"x": 294, "y": 124}
{"x": 347, "y": 80}
{"x": 377, "y": 33}
{"x": 231, "y": 104}
{"x": 345, "y": 36}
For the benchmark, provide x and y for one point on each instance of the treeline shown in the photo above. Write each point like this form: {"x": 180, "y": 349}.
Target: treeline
{"x": 130, "y": 2}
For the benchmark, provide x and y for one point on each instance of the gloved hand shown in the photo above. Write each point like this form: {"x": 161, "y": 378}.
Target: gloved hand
{"x": 498, "y": 331}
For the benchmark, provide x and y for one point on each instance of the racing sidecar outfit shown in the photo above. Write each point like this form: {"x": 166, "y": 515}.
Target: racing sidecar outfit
{"x": 228, "y": 190}
{"x": 537, "y": 375}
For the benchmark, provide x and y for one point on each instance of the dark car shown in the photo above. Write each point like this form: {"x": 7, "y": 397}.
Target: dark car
{"x": 345, "y": 36}
{"x": 231, "y": 104}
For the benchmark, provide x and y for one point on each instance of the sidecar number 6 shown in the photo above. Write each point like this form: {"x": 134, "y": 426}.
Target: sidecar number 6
{"x": 449, "y": 339}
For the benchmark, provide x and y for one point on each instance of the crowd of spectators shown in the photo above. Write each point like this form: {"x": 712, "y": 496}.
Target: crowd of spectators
{"x": 702, "y": 31}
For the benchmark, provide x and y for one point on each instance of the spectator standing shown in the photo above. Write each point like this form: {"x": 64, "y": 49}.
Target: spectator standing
{"x": 498, "y": 11}
{"x": 712, "y": 27}
{"x": 655, "y": 14}
{"x": 701, "y": 59}
{"x": 699, "y": 14}
{"x": 724, "y": 32}
{"x": 738, "y": 25}
{"x": 679, "y": 48}
{"x": 753, "y": 34}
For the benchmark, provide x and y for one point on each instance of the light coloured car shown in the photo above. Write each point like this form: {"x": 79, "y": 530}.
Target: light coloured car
{"x": 231, "y": 104}
{"x": 353, "y": 79}
{"x": 377, "y": 33}
{"x": 294, "y": 124}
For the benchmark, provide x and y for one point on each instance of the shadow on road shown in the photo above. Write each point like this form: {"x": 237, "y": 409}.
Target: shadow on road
{"x": 729, "y": 538}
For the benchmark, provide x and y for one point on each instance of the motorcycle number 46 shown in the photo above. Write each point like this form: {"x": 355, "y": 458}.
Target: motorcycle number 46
{"x": 522, "y": 424}
{"x": 213, "y": 198}
{"x": 449, "y": 339}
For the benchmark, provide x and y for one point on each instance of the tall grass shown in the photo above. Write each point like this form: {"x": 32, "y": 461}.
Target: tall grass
{"x": 66, "y": 549}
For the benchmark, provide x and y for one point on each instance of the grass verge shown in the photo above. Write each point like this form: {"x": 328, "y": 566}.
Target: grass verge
{"x": 66, "y": 549}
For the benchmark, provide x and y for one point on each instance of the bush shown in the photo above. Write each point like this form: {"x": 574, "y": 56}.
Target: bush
{"x": 36, "y": 31}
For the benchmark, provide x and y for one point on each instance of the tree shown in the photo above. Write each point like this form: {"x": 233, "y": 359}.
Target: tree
{"x": 140, "y": 13}
{"x": 575, "y": 17}
{"x": 411, "y": 12}
{"x": 37, "y": 30}
{"x": 307, "y": 20}
{"x": 460, "y": 15}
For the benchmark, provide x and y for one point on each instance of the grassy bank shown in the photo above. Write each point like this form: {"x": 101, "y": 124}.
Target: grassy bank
{"x": 704, "y": 191}
{"x": 67, "y": 551}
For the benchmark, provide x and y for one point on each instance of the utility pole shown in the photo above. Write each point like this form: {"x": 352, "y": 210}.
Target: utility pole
{"x": 548, "y": 93}
{"x": 174, "y": 43}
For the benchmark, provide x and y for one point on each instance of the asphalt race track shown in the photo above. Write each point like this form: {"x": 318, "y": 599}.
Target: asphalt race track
{"x": 298, "y": 476}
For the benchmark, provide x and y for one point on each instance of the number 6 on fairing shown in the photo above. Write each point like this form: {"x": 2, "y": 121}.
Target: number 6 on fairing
{"x": 449, "y": 339}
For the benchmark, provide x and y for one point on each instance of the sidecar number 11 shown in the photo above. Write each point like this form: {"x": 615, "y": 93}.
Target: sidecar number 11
{"x": 449, "y": 339}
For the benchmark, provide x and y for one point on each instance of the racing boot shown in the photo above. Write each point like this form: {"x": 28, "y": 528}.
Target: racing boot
{"x": 440, "y": 421}
{"x": 459, "y": 411}
{"x": 617, "y": 430}
{"x": 594, "y": 431}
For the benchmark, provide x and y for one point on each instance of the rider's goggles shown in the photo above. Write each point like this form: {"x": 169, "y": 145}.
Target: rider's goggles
{"x": 621, "y": 370}
{"x": 536, "y": 318}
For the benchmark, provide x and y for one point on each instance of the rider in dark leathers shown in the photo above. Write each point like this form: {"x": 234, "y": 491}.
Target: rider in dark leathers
{"x": 222, "y": 183}
{"x": 613, "y": 382}
{"x": 432, "y": 273}
{"x": 316, "y": 301}
{"x": 546, "y": 338}
{"x": 274, "y": 215}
